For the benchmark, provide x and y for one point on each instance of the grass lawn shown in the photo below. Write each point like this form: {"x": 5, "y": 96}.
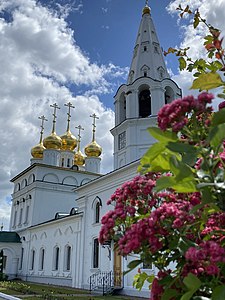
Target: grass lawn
{"x": 31, "y": 291}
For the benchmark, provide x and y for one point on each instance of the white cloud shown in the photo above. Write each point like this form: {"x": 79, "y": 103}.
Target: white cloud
{"x": 39, "y": 61}
{"x": 213, "y": 12}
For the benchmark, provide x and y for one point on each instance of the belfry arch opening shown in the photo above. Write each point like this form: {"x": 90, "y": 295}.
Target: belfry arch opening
{"x": 169, "y": 95}
{"x": 144, "y": 98}
{"x": 122, "y": 108}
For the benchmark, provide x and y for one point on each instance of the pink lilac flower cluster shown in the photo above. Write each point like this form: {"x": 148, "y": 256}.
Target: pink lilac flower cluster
{"x": 131, "y": 199}
{"x": 175, "y": 115}
{"x": 215, "y": 227}
{"x": 155, "y": 230}
{"x": 204, "y": 259}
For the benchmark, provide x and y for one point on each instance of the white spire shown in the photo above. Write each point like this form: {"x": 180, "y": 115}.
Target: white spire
{"x": 148, "y": 58}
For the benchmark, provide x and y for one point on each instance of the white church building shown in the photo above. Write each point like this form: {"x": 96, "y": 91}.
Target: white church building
{"x": 59, "y": 199}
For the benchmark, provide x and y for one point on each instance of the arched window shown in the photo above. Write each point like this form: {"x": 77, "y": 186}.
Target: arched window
{"x": 18, "y": 187}
{"x": 68, "y": 258}
{"x": 32, "y": 259}
{"x": 42, "y": 259}
{"x": 95, "y": 253}
{"x": 169, "y": 95}
{"x": 144, "y": 103}
{"x": 68, "y": 162}
{"x": 21, "y": 258}
{"x": 56, "y": 259}
{"x": 96, "y": 206}
{"x": 97, "y": 212}
{"x": 122, "y": 108}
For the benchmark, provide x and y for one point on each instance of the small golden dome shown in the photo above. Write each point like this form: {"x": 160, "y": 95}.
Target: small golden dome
{"x": 79, "y": 158}
{"x": 69, "y": 141}
{"x": 37, "y": 151}
{"x": 93, "y": 149}
{"x": 146, "y": 10}
{"x": 53, "y": 141}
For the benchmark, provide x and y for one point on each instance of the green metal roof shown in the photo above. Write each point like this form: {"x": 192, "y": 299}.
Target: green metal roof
{"x": 9, "y": 237}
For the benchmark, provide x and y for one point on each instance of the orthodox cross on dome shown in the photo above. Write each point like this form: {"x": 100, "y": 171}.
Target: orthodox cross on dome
{"x": 94, "y": 125}
{"x": 146, "y": 2}
{"x": 55, "y": 106}
{"x": 43, "y": 119}
{"x": 69, "y": 105}
{"x": 79, "y": 136}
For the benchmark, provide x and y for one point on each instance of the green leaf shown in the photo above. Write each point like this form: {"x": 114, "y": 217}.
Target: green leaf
{"x": 218, "y": 117}
{"x": 181, "y": 170}
{"x": 208, "y": 39}
{"x": 189, "y": 152}
{"x": 139, "y": 280}
{"x": 207, "y": 81}
{"x": 181, "y": 147}
{"x": 150, "y": 278}
{"x": 189, "y": 159}
{"x": 162, "y": 136}
{"x": 219, "y": 293}
{"x": 169, "y": 294}
{"x": 134, "y": 263}
{"x": 152, "y": 153}
{"x": 162, "y": 163}
{"x": 184, "y": 186}
{"x": 183, "y": 63}
{"x": 217, "y": 135}
{"x": 196, "y": 21}
{"x": 193, "y": 284}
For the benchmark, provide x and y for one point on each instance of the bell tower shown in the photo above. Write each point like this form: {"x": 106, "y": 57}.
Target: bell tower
{"x": 137, "y": 102}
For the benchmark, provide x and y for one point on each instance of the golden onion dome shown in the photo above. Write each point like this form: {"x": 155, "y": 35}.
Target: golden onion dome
{"x": 53, "y": 141}
{"x": 37, "y": 151}
{"x": 69, "y": 141}
{"x": 93, "y": 149}
{"x": 146, "y": 10}
{"x": 79, "y": 158}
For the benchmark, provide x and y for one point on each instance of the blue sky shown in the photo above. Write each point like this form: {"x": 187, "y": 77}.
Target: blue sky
{"x": 78, "y": 51}
{"x": 106, "y": 31}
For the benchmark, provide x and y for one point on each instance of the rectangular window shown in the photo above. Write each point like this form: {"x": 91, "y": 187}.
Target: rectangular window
{"x": 122, "y": 140}
{"x": 96, "y": 254}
